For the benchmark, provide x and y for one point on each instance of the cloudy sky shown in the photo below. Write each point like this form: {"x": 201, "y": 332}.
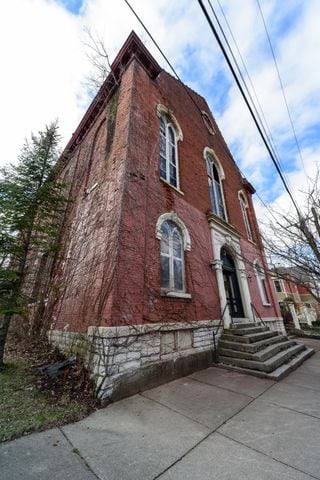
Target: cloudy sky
{"x": 44, "y": 65}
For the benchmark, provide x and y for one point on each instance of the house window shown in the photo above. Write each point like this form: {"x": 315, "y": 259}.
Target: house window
{"x": 244, "y": 209}
{"x": 171, "y": 256}
{"x": 277, "y": 285}
{"x": 261, "y": 280}
{"x": 215, "y": 187}
{"x": 169, "y": 169}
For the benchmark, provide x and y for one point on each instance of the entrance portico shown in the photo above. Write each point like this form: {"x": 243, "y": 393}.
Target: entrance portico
{"x": 230, "y": 271}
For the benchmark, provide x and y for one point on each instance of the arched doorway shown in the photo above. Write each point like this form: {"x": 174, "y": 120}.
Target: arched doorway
{"x": 231, "y": 285}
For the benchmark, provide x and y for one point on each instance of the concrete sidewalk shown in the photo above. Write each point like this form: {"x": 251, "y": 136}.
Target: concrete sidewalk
{"x": 214, "y": 424}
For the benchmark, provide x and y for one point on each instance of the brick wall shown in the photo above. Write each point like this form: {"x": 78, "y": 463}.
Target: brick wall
{"x": 109, "y": 271}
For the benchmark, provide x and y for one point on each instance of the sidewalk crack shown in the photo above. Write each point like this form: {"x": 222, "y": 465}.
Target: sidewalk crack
{"x": 76, "y": 451}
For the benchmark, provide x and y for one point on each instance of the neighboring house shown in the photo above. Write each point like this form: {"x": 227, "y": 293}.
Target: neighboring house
{"x": 159, "y": 235}
{"x": 295, "y": 298}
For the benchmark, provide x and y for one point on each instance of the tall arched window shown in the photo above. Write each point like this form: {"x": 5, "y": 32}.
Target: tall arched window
{"x": 215, "y": 187}
{"x": 261, "y": 278}
{"x": 169, "y": 168}
{"x": 244, "y": 209}
{"x": 172, "y": 258}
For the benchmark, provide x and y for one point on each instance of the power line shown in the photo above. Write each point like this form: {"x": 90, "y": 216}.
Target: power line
{"x": 267, "y": 128}
{"x": 214, "y": 31}
{"x": 187, "y": 91}
{"x": 274, "y": 157}
{"x": 281, "y": 86}
{"x": 163, "y": 55}
{"x": 263, "y": 123}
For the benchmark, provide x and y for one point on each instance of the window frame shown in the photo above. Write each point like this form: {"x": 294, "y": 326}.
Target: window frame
{"x": 166, "y": 114}
{"x": 244, "y": 209}
{"x": 212, "y": 161}
{"x": 169, "y": 127}
{"x": 186, "y": 246}
{"x": 261, "y": 277}
{"x": 174, "y": 228}
{"x": 280, "y": 285}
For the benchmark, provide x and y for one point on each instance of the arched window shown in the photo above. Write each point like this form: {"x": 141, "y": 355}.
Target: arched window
{"x": 171, "y": 257}
{"x": 169, "y": 168}
{"x": 261, "y": 280}
{"x": 244, "y": 209}
{"x": 215, "y": 187}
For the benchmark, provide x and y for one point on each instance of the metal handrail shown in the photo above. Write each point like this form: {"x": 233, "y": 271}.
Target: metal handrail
{"x": 255, "y": 314}
{"x": 215, "y": 333}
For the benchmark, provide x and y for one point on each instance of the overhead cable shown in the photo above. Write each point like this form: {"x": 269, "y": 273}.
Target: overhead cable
{"x": 274, "y": 160}
{"x": 163, "y": 55}
{"x": 281, "y": 86}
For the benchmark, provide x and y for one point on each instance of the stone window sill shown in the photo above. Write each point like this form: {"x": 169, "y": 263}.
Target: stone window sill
{"x": 172, "y": 186}
{"x": 171, "y": 294}
{"x": 267, "y": 304}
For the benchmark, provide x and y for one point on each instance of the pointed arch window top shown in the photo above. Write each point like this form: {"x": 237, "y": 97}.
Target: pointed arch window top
{"x": 173, "y": 217}
{"x": 163, "y": 111}
{"x": 210, "y": 153}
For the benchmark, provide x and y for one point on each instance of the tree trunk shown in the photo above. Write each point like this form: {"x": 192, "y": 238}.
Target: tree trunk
{"x": 4, "y": 327}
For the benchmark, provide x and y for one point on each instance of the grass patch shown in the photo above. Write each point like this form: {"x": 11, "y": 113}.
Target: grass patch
{"x": 24, "y": 408}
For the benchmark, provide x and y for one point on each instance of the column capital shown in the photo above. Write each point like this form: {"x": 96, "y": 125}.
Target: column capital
{"x": 242, "y": 273}
{"x": 216, "y": 264}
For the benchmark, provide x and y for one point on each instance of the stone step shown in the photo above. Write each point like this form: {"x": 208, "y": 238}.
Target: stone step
{"x": 248, "y": 330}
{"x": 243, "y": 325}
{"x": 268, "y": 365}
{"x": 240, "y": 319}
{"x": 279, "y": 373}
{"x": 261, "y": 355}
{"x": 250, "y": 338}
{"x": 252, "y": 347}
{"x": 294, "y": 363}
{"x": 272, "y": 350}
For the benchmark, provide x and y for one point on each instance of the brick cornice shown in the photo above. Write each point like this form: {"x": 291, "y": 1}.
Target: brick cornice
{"x": 133, "y": 48}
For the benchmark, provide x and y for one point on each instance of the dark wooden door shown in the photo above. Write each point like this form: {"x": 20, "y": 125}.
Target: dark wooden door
{"x": 231, "y": 285}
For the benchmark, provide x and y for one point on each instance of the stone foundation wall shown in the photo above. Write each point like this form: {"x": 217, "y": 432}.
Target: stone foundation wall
{"x": 124, "y": 360}
{"x": 275, "y": 324}
{"x": 70, "y": 343}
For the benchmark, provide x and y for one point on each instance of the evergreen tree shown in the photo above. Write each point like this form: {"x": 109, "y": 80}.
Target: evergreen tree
{"x": 31, "y": 202}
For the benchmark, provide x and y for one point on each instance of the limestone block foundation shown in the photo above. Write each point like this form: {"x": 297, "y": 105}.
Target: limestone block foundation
{"x": 125, "y": 360}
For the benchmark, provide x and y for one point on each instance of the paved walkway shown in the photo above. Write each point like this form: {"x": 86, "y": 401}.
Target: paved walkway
{"x": 214, "y": 424}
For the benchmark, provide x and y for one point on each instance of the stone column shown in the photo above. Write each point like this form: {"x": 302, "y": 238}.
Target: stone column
{"x": 245, "y": 292}
{"x": 307, "y": 315}
{"x": 217, "y": 266}
{"x": 294, "y": 316}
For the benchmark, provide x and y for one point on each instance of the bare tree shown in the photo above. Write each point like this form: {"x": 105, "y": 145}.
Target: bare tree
{"x": 98, "y": 57}
{"x": 293, "y": 241}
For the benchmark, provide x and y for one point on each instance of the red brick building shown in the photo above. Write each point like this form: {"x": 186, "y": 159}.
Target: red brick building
{"x": 160, "y": 231}
{"x": 297, "y": 304}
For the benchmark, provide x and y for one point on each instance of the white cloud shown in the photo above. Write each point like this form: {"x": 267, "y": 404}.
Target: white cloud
{"x": 295, "y": 51}
{"x": 44, "y": 64}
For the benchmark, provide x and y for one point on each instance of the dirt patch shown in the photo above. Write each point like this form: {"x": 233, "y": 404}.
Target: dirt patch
{"x": 31, "y": 400}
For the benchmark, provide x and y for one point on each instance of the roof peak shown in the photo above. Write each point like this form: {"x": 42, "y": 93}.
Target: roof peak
{"x": 133, "y": 47}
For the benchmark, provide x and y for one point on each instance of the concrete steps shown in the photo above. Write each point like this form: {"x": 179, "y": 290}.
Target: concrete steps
{"x": 261, "y": 355}
{"x": 254, "y": 349}
{"x": 248, "y": 337}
